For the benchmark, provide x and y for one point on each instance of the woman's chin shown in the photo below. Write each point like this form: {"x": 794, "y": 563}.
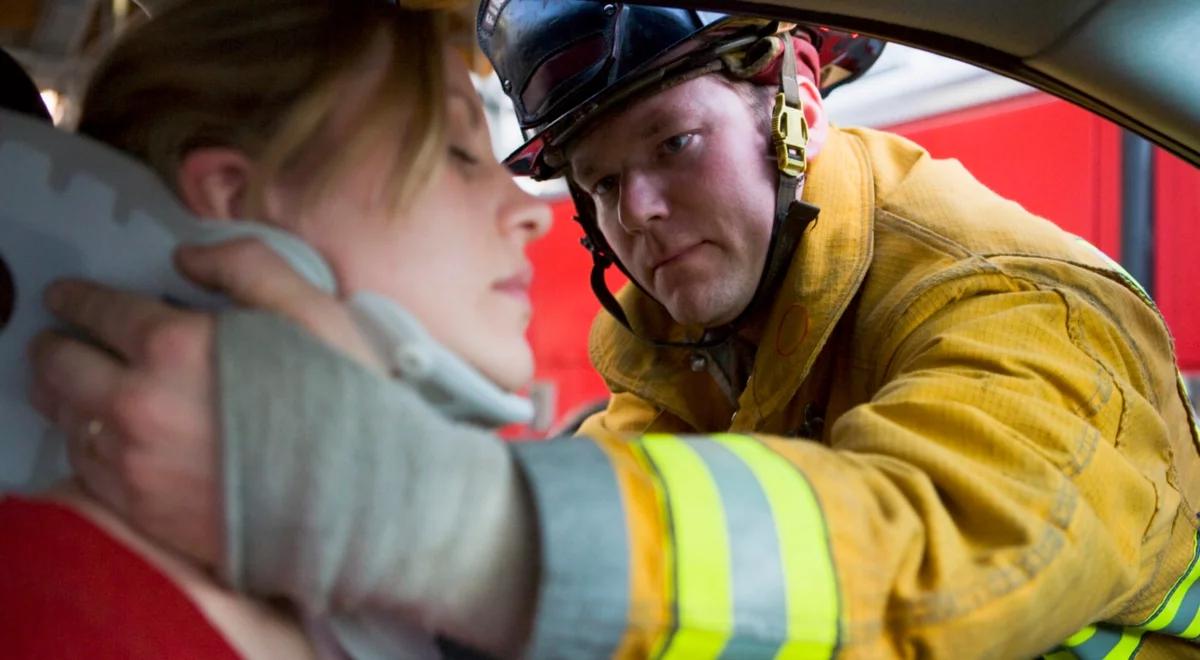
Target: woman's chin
{"x": 512, "y": 370}
{"x": 516, "y": 380}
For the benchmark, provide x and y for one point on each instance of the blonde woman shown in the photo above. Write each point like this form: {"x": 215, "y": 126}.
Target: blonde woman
{"x": 346, "y": 123}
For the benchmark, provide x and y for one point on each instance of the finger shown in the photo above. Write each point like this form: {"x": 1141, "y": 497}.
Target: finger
{"x": 250, "y": 273}
{"x": 69, "y": 374}
{"x": 119, "y": 320}
{"x": 100, "y": 476}
{"x": 88, "y": 457}
{"x": 91, "y": 440}
{"x": 253, "y": 275}
{"x": 74, "y": 386}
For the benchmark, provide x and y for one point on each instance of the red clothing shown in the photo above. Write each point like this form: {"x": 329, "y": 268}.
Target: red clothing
{"x": 69, "y": 590}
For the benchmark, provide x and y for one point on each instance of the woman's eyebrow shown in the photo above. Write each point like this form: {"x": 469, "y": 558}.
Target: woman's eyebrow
{"x": 474, "y": 113}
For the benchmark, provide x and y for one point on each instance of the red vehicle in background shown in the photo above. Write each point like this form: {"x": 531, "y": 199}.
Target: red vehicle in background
{"x": 1135, "y": 202}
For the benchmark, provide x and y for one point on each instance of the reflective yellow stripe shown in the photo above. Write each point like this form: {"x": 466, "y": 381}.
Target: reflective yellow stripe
{"x": 702, "y": 573}
{"x": 1081, "y": 636}
{"x": 811, "y": 581}
{"x": 1169, "y": 609}
{"x": 1130, "y": 640}
{"x": 1193, "y": 630}
{"x": 1123, "y": 643}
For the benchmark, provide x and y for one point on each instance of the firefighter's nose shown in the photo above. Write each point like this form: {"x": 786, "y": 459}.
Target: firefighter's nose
{"x": 642, "y": 202}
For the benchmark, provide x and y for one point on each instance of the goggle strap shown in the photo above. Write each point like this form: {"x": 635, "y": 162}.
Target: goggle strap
{"x": 791, "y": 88}
{"x": 600, "y": 289}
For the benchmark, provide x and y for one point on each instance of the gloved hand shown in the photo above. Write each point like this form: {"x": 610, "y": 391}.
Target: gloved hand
{"x": 137, "y": 400}
{"x": 346, "y": 491}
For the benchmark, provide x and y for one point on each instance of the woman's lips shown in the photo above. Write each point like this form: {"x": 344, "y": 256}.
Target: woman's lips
{"x": 516, "y": 285}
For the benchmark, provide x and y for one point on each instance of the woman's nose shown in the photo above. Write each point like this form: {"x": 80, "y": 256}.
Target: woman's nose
{"x": 525, "y": 214}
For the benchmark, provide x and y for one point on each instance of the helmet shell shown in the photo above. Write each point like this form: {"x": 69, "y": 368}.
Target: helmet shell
{"x": 551, "y": 55}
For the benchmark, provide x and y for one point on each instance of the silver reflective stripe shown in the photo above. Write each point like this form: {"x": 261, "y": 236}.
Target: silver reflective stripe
{"x": 583, "y": 605}
{"x": 759, "y": 587}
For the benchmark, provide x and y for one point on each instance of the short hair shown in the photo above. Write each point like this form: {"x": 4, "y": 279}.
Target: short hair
{"x": 759, "y": 98}
{"x": 264, "y": 77}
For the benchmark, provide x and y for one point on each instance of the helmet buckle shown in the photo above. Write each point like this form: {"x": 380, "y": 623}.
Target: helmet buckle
{"x": 789, "y": 134}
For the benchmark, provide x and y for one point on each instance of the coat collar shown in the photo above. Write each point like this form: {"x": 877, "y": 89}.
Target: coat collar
{"x": 824, "y": 277}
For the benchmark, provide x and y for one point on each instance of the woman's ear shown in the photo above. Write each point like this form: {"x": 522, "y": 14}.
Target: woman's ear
{"x": 814, "y": 114}
{"x": 213, "y": 182}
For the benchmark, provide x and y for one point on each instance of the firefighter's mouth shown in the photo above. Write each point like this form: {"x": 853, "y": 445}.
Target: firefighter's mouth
{"x": 675, "y": 257}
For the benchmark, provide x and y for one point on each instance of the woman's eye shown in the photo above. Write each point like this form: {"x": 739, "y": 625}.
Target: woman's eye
{"x": 463, "y": 155}
{"x": 677, "y": 143}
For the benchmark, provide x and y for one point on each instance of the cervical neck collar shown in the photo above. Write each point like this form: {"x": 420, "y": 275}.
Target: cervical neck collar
{"x": 73, "y": 207}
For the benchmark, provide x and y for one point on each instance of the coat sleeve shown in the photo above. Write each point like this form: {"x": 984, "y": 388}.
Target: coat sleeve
{"x": 978, "y": 504}
{"x": 625, "y": 413}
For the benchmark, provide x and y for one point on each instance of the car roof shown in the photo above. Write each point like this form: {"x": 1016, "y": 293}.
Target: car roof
{"x": 1131, "y": 61}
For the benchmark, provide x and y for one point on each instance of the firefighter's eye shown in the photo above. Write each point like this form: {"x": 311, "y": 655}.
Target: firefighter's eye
{"x": 677, "y": 143}
{"x": 604, "y": 185}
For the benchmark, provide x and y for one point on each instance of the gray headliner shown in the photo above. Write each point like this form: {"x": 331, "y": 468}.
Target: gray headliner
{"x": 1107, "y": 58}
{"x": 1003, "y": 24}
{"x": 1130, "y": 60}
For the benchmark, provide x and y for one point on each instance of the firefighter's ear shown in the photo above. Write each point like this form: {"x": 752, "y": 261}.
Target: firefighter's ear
{"x": 815, "y": 115}
{"x": 213, "y": 182}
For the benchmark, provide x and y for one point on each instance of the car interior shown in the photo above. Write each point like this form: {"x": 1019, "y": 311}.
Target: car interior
{"x": 18, "y": 91}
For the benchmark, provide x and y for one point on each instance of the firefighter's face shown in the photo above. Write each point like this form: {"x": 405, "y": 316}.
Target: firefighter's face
{"x": 454, "y": 256}
{"x": 684, "y": 192}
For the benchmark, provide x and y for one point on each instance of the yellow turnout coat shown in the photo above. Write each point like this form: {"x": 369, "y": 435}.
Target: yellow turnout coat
{"x": 1002, "y": 460}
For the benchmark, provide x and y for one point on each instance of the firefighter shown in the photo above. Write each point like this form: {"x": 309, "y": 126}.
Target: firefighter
{"x": 862, "y": 406}
{"x": 926, "y": 357}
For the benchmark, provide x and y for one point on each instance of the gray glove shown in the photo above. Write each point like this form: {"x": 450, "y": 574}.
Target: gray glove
{"x": 346, "y": 492}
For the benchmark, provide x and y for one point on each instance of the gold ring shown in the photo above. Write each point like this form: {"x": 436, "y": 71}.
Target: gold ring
{"x": 91, "y": 435}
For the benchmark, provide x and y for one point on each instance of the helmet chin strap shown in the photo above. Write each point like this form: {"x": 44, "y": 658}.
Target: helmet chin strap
{"x": 789, "y": 136}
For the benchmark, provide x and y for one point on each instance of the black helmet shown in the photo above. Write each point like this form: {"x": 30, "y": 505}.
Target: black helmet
{"x": 564, "y": 62}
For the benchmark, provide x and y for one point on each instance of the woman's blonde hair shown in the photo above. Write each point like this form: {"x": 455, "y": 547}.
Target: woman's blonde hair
{"x": 265, "y": 77}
